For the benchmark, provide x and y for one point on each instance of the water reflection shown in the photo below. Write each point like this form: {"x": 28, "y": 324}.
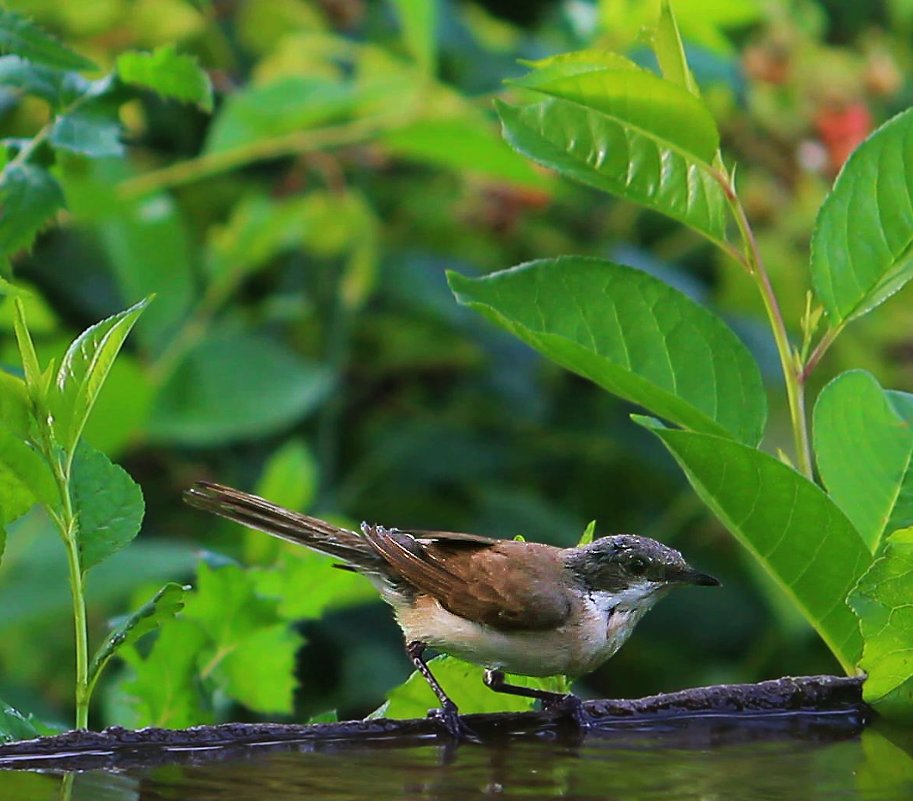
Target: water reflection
{"x": 638, "y": 766}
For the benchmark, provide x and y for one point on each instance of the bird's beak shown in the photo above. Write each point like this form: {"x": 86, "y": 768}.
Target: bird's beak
{"x": 691, "y": 576}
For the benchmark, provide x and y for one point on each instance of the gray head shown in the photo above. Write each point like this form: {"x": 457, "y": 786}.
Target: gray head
{"x": 634, "y": 568}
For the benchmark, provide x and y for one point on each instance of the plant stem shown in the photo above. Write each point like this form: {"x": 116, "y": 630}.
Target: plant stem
{"x": 820, "y": 349}
{"x": 276, "y": 147}
{"x": 792, "y": 370}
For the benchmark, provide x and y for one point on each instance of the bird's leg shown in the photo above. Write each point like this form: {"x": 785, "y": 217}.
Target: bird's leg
{"x": 448, "y": 714}
{"x": 568, "y": 703}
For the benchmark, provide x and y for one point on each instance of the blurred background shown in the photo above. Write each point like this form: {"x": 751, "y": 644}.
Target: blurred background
{"x": 303, "y": 342}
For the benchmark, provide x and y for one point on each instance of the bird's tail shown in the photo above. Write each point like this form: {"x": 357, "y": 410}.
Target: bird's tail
{"x": 255, "y": 512}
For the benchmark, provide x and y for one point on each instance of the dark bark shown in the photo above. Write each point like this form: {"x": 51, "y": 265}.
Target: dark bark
{"x": 811, "y": 707}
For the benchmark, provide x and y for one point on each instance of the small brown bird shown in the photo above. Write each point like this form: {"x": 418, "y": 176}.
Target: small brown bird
{"x": 519, "y": 607}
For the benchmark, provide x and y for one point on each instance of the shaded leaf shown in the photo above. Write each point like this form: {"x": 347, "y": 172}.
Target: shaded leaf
{"x": 33, "y": 79}
{"x": 861, "y": 245}
{"x": 87, "y": 135}
{"x": 233, "y": 387}
{"x": 799, "y": 535}
{"x": 14, "y": 725}
{"x": 169, "y": 74}
{"x": 25, "y": 478}
{"x": 864, "y": 447}
{"x": 631, "y": 334}
{"x": 883, "y": 601}
{"x": 108, "y": 504}
{"x": 29, "y": 197}
{"x": 22, "y": 37}
{"x": 585, "y": 145}
{"x": 83, "y": 371}
{"x": 165, "y": 604}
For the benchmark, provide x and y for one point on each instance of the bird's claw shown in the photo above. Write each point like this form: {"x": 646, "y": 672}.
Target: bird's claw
{"x": 449, "y": 717}
{"x": 569, "y": 706}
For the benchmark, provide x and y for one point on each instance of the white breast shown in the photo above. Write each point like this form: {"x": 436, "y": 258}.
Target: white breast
{"x": 593, "y": 634}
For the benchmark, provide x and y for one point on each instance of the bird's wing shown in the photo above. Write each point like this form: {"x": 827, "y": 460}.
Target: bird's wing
{"x": 479, "y": 579}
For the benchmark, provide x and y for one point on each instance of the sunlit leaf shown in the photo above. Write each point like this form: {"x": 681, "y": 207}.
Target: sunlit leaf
{"x": 670, "y": 52}
{"x": 418, "y": 20}
{"x": 14, "y": 404}
{"x": 108, "y": 504}
{"x": 864, "y": 448}
{"x": 234, "y": 387}
{"x": 587, "y": 146}
{"x": 29, "y": 197}
{"x": 883, "y": 601}
{"x": 22, "y": 37}
{"x": 83, "y": 371}
{"x": 861, "y": 245}
{"x": 169, "y": 74}
{"x": 165, "y": 604}
{"x": 87, "y": 135}
{"x": 631, "y": 334}
{"x": 799, "y": 535}
{"x": 25, "y": 478}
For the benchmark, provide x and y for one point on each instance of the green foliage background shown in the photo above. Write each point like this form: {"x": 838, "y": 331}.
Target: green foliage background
{"x": 304, "y": 343}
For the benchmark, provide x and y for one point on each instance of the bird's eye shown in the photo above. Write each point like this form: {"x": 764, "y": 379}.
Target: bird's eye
{"x": 637, "y": 565}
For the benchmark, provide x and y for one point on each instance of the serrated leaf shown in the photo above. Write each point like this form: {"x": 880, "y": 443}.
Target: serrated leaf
{"x": 587, "y": 146}
{"x": 169, "y": 74}
{"x": 165, "y": 604}
{"x": 108, "y": 504}
{"x": 206, "y": 401}
{"x": 883, "y": 602}
{"x": 87, "y": 135}
{"x": 33, "y": 79}
{"x": 631, "y": 334}
{"x": 638, "y": 102}
{"x": 29, "y": 197}
{"x": 22, "y": 37}
{"x": 864, "y": 448}
{"x": 463, "y": 683}
{"x": 83, "y": 371}
{"x": 798, "y": 535}
{"x": 863, "y": 238}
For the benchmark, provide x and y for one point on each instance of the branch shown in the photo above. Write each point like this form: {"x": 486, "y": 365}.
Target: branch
{"x": 811, "y": 707}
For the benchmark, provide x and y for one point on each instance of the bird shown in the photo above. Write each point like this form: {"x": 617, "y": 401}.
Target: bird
{"x": 508, "y": 605}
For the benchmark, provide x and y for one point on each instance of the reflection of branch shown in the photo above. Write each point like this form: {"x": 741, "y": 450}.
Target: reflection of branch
{"x": 811, "y": 707}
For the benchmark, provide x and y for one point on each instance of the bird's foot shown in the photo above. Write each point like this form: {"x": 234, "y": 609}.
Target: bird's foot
{"x": 449, "y": 717}
{"x": 570, "y": 706}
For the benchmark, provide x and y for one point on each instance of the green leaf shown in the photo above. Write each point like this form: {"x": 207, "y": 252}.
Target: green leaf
{"x": 638, "y": 102}
{"x": 418, "y": 19}
{"x": 165, "y": 604}
{"x": 463, "y": 683}
{"x": 800, "y": 537}
{"x": 14, "y": 404}
{"x": 588, "y": 533}
{"x": 883, "y": 601}
{"x": 463, "y": 144}
{"x": 29, "y": 197}
{"x": 87, "y": 135}
{"x": 670, "y": 52}
{"x": 168, "y": 73}
{"x": 33, "y": 377}
{"x": 14, "y": 725}
{"x": 83, "y": 371}
{"x": 164, "y": 689}
{"x": 33, "y": 79}
{"x": 864, "y": 448}
{"x": 274, "y": 109}
{"x": 233, "y": 387}
{"x": 108, "y": 504}
{"x": 259, "y": 671}
{"x": 251, "y": 653}
{"x": 25, "y": 478}
{"x": 632, "y": 335}
{"x": 22, "y": 37}
{"x": 861, "y": 245}
{"x": 589, "y": 147}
